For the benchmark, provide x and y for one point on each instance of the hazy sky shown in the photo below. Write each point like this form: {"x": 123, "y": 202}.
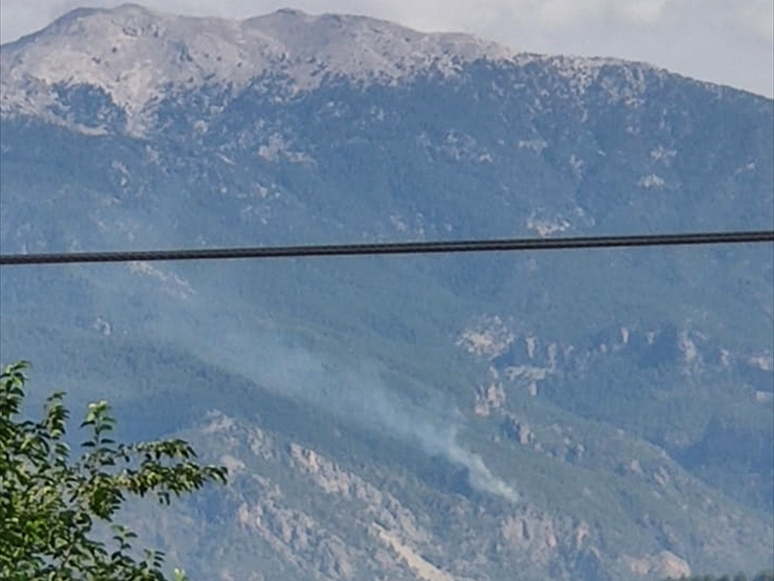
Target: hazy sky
{"x": 725, "y": 41}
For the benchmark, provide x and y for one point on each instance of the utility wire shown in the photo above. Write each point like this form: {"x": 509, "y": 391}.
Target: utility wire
{"x": 393, "y": 248}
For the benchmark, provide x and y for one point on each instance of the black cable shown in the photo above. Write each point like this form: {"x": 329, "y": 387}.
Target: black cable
{"x": 394, "y": 248}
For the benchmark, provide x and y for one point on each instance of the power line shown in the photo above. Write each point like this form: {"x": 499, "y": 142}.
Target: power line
{"x": 453, "y": 246}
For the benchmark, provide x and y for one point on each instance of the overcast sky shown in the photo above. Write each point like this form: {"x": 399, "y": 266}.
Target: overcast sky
{"x": 725, "y": 41}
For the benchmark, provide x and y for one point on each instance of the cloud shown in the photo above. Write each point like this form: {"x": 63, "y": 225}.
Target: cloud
{"x": 757, "y": 16}
{"x": 645, "y": 11}
{"x": 725, "y": 41}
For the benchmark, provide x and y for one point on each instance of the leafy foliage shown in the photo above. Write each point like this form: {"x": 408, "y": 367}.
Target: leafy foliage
{"x": 49, "y": 505}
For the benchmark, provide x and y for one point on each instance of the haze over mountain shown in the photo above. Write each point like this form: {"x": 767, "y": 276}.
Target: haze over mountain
{"x": 581, "y": 415}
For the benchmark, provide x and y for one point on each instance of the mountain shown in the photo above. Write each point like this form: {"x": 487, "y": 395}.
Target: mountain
{"x": 566, "y": 415}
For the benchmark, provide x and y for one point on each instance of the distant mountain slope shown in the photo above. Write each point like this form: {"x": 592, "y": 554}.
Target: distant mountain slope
{"x": 580, "y": 415}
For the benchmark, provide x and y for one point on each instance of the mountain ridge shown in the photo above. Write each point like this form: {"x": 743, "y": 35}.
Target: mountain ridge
{"x": 136, "y": 56}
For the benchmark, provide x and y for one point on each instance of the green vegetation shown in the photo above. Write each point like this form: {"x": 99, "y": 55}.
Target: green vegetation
{"x": 49, "y": 505}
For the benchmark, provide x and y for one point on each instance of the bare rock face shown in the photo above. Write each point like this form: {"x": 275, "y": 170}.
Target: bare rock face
{"x": 516, "y": 430}
{"x": 489, "y": 398}
{"x": 533, "y": 534}
{"x": 662, "y": 565}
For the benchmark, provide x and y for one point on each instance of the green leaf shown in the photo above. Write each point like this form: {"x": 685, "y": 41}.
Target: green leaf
{"x": 55, "y": 502}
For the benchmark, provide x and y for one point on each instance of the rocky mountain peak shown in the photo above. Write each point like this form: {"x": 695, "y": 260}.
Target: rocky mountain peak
{"x": 137, "y": 56}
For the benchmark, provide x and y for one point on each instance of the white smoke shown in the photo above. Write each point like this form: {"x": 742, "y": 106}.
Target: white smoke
{"x": 356, "y": 394}
{"x": 361, "y": 397}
